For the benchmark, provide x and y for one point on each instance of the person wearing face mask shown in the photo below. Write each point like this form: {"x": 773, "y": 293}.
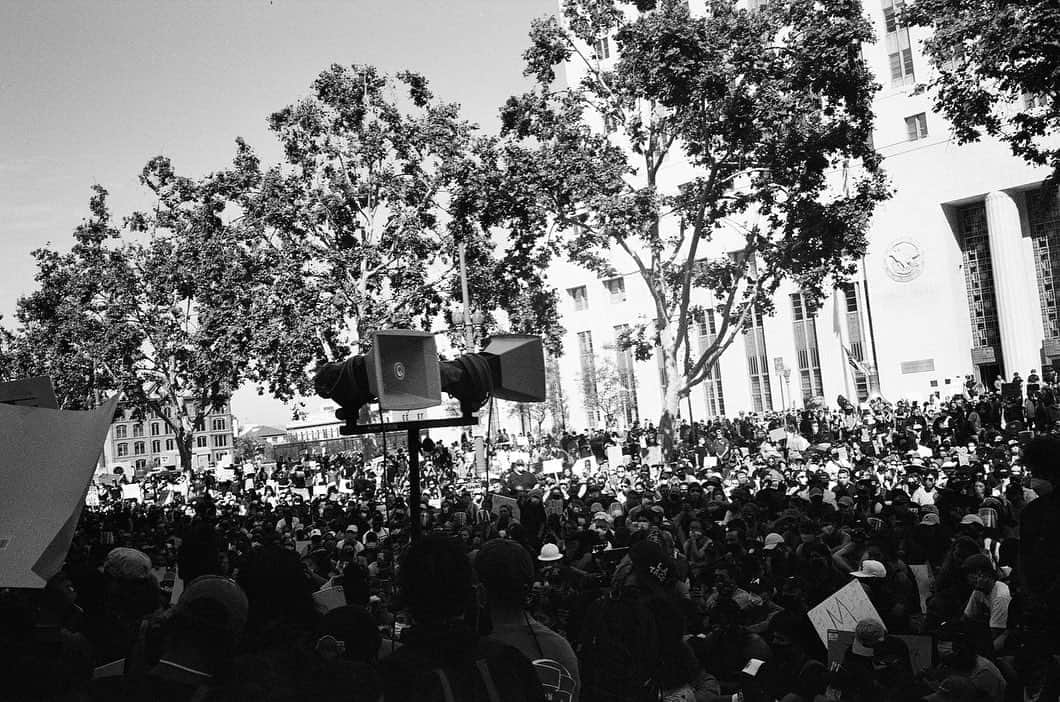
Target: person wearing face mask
{"x": 955, "y": 653}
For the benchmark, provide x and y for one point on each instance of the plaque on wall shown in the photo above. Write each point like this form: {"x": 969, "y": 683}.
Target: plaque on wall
{"x": 983, "y": 354}
{"x": 903, "y": 261}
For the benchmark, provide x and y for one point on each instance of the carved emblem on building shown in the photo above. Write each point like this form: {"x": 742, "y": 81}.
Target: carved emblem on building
{"x": 904, "y": 261}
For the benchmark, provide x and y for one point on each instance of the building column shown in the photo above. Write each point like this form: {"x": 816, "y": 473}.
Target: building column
{"x": 1015, "y": 287}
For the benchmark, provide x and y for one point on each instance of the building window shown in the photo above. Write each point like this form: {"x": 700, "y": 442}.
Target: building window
{"x": 602, "y": 48}
{"x": 899, "y": 50}
{"x": 706, "y": 325}
{"x": 200, "y": 442}
{"x": 979, "y": 282}
{"x": 1044, "y": 214}
{"x": 139, "y": 448}
{"x": 220, "y": 455}
{"x": 121, "y": 431}
{"x": 588, "y": 366}
{"x": 580, "y": 296}
{"x": 170, "y": 446}
{"x": 141, "y": 464}
{"x": 156, "y": 446}
{"x": 220, "y": 440}
{"x": 123, "y": 450}
{"x": 218, "y": 424}
{"x": 856, "y": 339}
{"x": 916, "y": 127}
{"x": 754, "y": 339}
{"x": 804, "y": 316}
{"x": 167, "y": 412}
{"x": 1033, "y": 102}
{"x": 617, "y": 288}
{"x": 138, "y": 430}
{"x": 626, "y": 376}
{"x": 156, "y": 428}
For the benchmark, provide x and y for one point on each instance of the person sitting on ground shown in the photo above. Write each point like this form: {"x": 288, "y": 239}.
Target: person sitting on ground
{"x": 442, "y": 658}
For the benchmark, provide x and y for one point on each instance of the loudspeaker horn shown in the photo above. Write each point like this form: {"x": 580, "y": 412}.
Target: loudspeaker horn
{"x": 517, "y": 365}
{"x": 403, "y": 370}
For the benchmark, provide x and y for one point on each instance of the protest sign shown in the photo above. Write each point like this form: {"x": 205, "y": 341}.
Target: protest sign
{"x": 844, "y": 455}
{"x": 301, "y": 492}
{"x": 29, "y": 392}
{"x": 587, "y": 465}
{"x": 655, "y": 457}
{"x": 92, "y": 496}
{"x": 499, "y": 501}
{"x": 554, "y": 506}
{"x": 45, "y": 483}
{"x": 329, "y": 598}
{"x": 924, "y": 452}
{"x": 130, "y": 491}
{"x": 224, "y": 474}
{"x": 552, "y": 466}
{"x": 710, "y": 461}
{"x": 962, "y": 456}
{"x": 615, "y": 457}
{"x": 842, "y": 610}
{"x": 320, "y": 491}
{"x": 777, "y": 435}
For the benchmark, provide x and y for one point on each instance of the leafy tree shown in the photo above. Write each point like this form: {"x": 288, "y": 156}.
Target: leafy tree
{"x": 997, "y": 70}
{"x": 769, "y": 113}
{"x": 153, "y": 317}
{"x": 607, "y": 391}
{"x": 362, "y": 222}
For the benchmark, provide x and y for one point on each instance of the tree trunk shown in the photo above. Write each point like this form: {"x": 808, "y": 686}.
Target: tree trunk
{"x": 184, "y": 440}
{"x": 671, "y": 382}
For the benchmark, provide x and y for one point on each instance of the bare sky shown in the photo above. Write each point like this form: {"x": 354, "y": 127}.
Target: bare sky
{"x": 89, "y": 91}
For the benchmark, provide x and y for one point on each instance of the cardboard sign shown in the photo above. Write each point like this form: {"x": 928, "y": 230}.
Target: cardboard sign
{"x": 130, "y": 491}
{"x": 498, "y": 501}
{"x": 842, "y": 610}
{"x": 552, "y": 466}
{"x": 615, "y": 457}
{"x": 45, "y": 482}
{"x": 655, "y": 457}
{"x": 778, "y": 435}
{"x": 329, "y": 599}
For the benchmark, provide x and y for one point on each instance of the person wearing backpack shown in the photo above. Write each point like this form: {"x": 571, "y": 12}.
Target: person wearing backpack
{"x": 619, "y": 649}
{"x": 442, "y": 658}
{"x": 506, "y": 571}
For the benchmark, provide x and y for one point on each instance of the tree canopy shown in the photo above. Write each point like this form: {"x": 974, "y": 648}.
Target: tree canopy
{"x": 997, "y": 70}
{"x": 767, "y": 117}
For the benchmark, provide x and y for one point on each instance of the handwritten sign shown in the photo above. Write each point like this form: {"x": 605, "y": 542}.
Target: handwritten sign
{"x": 842, "y": 610}
{"x": 130, "y": 491}
{"x": 777, "y": 434}
{"x": 615, "y": 457}
{"x": 655, "y": 457}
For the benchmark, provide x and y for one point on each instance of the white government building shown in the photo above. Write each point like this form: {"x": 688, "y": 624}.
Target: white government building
{"x": 958, "y": 279}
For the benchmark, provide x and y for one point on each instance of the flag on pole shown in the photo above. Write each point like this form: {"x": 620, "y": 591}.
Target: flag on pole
{"x": 838, "y": 327}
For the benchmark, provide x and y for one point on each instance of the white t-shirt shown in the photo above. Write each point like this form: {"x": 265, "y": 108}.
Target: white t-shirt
{"x": 992, "y": 607}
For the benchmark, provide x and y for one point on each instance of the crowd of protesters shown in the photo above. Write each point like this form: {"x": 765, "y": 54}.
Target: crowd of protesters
{"x": 633, "y": 565}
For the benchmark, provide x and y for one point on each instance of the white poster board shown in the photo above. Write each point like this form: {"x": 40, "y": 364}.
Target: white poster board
{"x": 615, "y": 457}
{"x": 655, "y": 457}
{"x": 130, "y": 491}
{"x": 552, "y": 466}
{"x": 842, "y": 610}
{"x": 777, "y": 434}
